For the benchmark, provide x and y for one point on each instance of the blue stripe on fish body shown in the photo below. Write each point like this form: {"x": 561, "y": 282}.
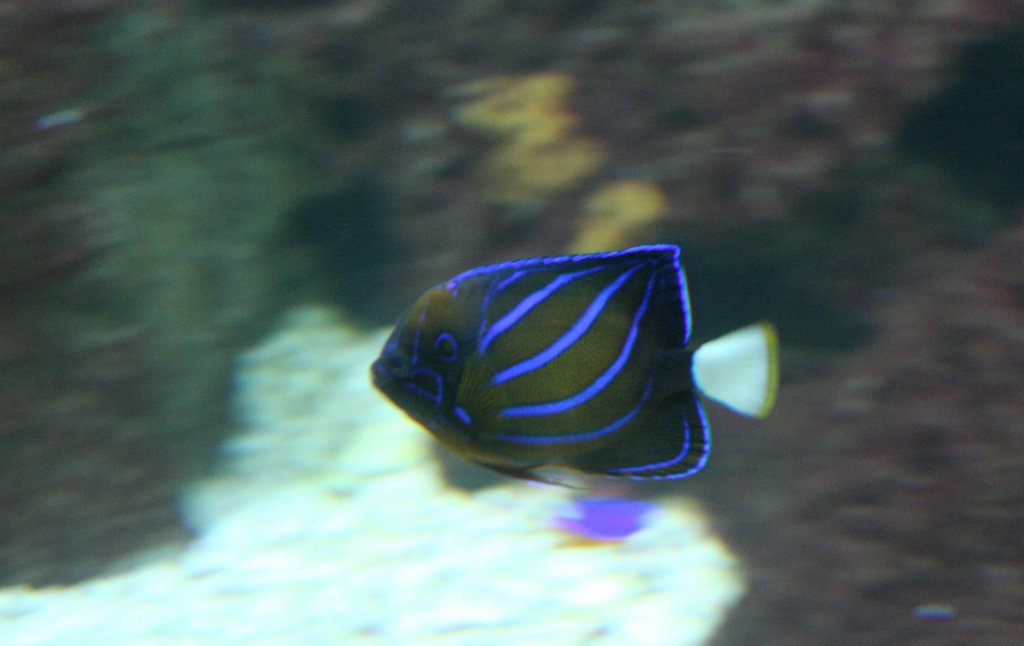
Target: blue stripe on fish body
{"x": 524, "y": 306}
{"x": 601, "y": 376}
{"x": 602, "y": 381}
{"x": 576, "y": 361}
{"x": 580, "y": 436}
{"x": 569, "y": 338}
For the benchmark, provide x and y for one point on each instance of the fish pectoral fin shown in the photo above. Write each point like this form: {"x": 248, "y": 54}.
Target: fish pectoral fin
{"x": 740, "y": 369}
{"x": 475, "y": 393}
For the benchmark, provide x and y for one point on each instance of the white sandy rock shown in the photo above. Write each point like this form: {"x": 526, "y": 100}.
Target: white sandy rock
{"x": 330, "y": 524}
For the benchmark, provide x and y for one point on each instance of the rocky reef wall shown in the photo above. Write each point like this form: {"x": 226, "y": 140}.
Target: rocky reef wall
{"x": 143, "y": 181}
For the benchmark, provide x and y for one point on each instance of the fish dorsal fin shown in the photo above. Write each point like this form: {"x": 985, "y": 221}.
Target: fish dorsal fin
{"x": 740, "y": 369}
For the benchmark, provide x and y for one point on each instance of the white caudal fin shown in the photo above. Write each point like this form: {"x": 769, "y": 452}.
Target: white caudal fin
{"x": 740, "y": 369}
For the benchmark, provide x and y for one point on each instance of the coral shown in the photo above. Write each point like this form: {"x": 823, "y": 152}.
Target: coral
{"x": 893, "y": 485}
{"x": 604, "y": 519}
{"x": 137, "y": 208}
{"x": 328, "y": 497}
{"x": 538, "y": 154}
{"x": 615, "y": 214}
{"x": 528, "y": 171}
{"x": 971, "y": 130}
{"x": 744, "y": 114}
{"x": 521, "y": 109}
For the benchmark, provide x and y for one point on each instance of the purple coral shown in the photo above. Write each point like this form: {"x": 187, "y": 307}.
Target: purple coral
{"x": 604, "y": 519}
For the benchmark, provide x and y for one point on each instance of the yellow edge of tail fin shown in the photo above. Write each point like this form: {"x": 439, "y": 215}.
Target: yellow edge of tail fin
{"x": 771, "y": 336}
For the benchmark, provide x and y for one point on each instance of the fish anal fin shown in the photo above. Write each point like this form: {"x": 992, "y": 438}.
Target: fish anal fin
{"x": 527, "y": 473}
{"x": 674, "y": 444}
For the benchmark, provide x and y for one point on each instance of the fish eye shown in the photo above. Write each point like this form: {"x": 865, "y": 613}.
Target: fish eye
{"x": 446, "y": 346}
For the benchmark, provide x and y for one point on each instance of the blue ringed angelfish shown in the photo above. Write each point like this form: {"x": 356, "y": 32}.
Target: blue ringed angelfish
{"x": 580, "y": 362}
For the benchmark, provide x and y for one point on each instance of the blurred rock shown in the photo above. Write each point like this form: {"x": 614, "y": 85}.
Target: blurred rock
{"x": 143, "y": 178}
{"x": 897, "y": 482}
{"x": 767, "y": 127}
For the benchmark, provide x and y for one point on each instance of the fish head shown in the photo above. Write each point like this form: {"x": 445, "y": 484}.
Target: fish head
{"x": 420, "y": 366}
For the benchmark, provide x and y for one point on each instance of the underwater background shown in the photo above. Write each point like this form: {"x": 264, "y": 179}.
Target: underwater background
{"x": 212, "y": 212}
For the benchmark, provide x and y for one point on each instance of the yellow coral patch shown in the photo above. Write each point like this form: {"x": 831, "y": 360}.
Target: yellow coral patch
{"x": 527, "y": 171}
{"x": 531, "y": 107}
{"x": 537, "y": 154}
{"x": 615, "y": 213}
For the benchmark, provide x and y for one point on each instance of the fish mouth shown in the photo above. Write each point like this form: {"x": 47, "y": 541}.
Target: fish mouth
{"x": 381, "y": 377}
{"x": 425, "y": 384}
{"x": 377, "y": 371}
{"x": 422, "y": 384}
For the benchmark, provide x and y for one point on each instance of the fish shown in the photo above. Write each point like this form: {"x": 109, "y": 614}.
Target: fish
{"x": 576, "y": 362}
